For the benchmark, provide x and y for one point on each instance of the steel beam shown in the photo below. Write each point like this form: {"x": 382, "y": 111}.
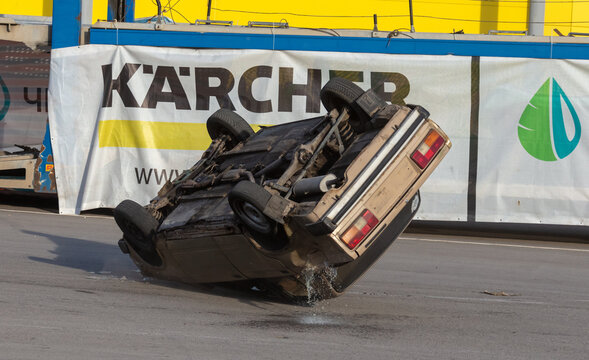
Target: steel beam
{"x": 67, "y": 15}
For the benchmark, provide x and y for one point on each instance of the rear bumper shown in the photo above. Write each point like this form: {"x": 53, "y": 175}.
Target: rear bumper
{"x": 348, "y": 273}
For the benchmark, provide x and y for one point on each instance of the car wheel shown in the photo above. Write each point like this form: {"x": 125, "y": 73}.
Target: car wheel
{"x": 339, "y": 93}
{"x": 227, "y": 122}
{"x": 248, "y": 201}
{"x": 138, "y": 228}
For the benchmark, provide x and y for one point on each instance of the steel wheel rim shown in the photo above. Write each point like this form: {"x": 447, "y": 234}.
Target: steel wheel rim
{"x": 254, "y": 218}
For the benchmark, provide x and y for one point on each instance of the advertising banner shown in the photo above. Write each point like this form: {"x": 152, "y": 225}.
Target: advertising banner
{"x": 24, "y": 78}
{"x": 124, "y": 119}
{"x": 533, "y": 141}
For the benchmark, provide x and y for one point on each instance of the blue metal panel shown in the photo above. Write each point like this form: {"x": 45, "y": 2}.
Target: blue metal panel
{"x": 65, "y": 29}
{"x": 129, "y": 10}
{"x": 344, "y": 44}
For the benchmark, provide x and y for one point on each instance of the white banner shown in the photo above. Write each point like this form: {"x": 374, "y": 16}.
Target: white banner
{"x": 125, "y": 119}
{"x": 533, "y": 141}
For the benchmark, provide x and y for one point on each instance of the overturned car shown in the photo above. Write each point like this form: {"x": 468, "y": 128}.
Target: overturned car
{"x": 304, "y": 207}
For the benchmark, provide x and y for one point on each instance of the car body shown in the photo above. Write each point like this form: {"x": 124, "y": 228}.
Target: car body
{"x": 305, "y": 207}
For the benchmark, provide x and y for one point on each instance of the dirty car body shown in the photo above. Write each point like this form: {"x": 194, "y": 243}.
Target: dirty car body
{"x": 304, "y": 207}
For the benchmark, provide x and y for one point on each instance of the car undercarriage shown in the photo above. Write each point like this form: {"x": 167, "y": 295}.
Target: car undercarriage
{"x": 305, "y": 207}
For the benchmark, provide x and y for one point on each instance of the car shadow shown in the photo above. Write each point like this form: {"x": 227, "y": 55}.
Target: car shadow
{"x": 100, "y": 259}
{"x": 87, "y": 255}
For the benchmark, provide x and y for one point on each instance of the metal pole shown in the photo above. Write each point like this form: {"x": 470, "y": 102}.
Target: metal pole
{"x": 86, "y": 12}
{"x": 209, "y": 10}
{"x": 536, "y": 17}
{"x": 411, "y": 15}
{"x": 159, "y": 12}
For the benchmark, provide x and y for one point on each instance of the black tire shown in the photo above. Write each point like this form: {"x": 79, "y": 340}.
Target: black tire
{"x": 248, "y": 201}
{"x": 227, "y": 122}
{"x": 339, "y": 93}
{"x": 138, "y": 228}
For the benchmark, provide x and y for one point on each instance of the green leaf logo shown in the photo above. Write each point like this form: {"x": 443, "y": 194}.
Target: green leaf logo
{"x": 541, "y": 128}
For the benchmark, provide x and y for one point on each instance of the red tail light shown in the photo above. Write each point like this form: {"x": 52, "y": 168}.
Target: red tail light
{"x": 427, "y": 149}
{"x": 359, "y": 229}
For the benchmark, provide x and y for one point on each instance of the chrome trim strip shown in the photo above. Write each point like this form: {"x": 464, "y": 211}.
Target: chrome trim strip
{"x": 341, "y": 208}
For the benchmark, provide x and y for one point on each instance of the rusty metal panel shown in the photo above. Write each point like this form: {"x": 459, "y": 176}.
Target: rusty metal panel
{"x": 21, "y": 170}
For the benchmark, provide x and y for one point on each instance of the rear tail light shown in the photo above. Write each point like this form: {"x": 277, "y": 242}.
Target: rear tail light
{"x": 427, "y": 149}
{"x": 359, "y": 229}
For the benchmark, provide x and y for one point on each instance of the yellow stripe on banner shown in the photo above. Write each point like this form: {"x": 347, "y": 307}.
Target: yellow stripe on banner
{"x": 154, "y": 135}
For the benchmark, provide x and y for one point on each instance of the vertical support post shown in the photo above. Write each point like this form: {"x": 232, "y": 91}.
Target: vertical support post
{"x": 121, "y": 10}
{"x": 411, "y": 15}
{"x": 65, "y": 32}
{"x": 536, "y": 17}
{"x": 86, "y": 12}
{"x": 473, "y": 151}
{"x": 66, "y": 26}
{"x": 209, "y": 10}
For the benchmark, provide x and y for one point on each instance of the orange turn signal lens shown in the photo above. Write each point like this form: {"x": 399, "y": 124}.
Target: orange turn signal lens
{"x": 427, "y": 149}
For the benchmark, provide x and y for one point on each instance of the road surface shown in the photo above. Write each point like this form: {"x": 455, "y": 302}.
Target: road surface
{"x": 67, "y": 292}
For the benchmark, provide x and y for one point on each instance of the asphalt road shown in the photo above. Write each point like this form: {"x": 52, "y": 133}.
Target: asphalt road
{"x": 66, "y": 292}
